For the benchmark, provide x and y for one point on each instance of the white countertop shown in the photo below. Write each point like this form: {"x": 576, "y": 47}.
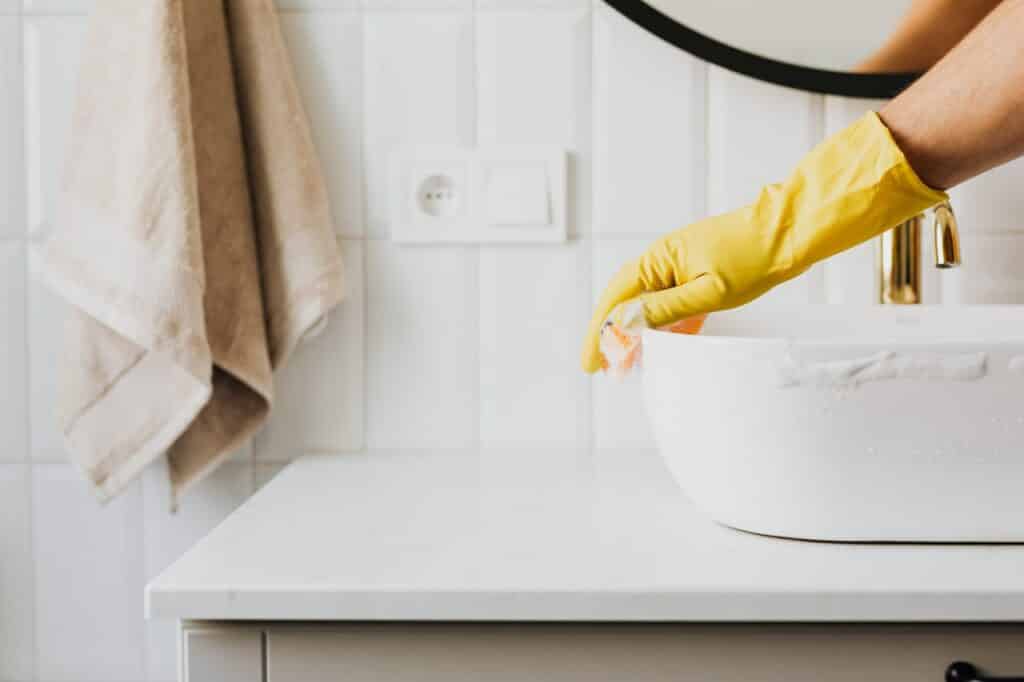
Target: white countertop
{"x": 524, "y": 537}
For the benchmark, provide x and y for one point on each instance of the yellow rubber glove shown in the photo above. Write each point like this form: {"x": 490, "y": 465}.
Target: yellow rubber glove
{"x": 852, "y": 187}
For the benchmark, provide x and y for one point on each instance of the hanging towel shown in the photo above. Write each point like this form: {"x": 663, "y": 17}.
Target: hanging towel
{"x": 195, "y": 243}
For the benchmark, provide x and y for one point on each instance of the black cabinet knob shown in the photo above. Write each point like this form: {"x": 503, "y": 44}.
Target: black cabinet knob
{"x": 962, "y": 671}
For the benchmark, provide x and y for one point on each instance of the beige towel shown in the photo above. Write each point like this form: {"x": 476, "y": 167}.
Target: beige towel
{"x": 195, "y": 246}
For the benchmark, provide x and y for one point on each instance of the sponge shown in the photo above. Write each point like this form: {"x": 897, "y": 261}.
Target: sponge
{"x": 622, "y": 333}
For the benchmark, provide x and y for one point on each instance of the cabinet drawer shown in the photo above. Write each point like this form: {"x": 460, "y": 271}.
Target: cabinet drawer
{"x": 637, "y": 653}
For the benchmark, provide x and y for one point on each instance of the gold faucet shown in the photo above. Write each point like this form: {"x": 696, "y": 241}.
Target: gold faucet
{"x": 899, "y": 254}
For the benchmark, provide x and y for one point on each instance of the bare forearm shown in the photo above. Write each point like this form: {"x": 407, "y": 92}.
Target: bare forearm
{"x": 929, "y": 30}
{"x": 966, "y": 115}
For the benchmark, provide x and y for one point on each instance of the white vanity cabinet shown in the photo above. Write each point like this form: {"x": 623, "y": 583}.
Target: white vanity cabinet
{"x": 594, "y": 653}
{"x": 412, "y": 568}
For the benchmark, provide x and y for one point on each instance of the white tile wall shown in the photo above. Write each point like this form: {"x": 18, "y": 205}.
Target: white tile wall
{"x": 758, "y": 132}
{"x": 438, "y": 348}
{"x": 327, "y": 48}
{"x": 89, "y": 575}
{"x": 45, "y": 331}
{"x": 421, "y": 347}
{"x": 17, "y": 609}
{"x": 553, "y": 76}
{"x": 540, "y": 95}
{"x": 13, "y": 353}
{"x": 418, "y": 90}
{"x": 11, "y": 137}
{"x": 319, "y": 394}
{"x": 994, "y": 202}
{"x": 50, "y": 79}
{"x": 533, "y": 309}
{"x": 649, "y": 112}
{"x": 991, "y": 272}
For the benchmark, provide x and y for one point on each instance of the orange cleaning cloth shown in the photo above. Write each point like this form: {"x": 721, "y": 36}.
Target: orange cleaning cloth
{"x": 622, "y": 333}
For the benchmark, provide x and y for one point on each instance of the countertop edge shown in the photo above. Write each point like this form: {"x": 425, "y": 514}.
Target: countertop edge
{"x": 582, "y": 607}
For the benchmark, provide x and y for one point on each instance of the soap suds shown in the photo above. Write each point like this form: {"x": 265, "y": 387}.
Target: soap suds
{"x": 884, "y": 366}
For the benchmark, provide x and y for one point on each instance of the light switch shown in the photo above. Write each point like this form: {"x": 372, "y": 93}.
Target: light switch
{"x": 517, "y": 196}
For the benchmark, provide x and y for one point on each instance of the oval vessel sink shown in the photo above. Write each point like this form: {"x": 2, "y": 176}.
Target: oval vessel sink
{"x": 848, "y": 424}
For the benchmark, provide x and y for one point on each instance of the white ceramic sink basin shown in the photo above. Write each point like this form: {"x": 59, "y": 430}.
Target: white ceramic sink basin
{"x": 832, "y": 423}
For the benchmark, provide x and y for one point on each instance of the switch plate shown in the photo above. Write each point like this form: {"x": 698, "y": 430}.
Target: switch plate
{"x": 494, "y": 194}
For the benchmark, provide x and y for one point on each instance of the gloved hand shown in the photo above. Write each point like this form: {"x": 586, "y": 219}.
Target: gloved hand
{"x": 852, "y": 187}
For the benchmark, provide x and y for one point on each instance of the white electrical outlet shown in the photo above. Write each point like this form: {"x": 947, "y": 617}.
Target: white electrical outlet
{"x": 512, "y": 194}
{"x": 438, "y": 195}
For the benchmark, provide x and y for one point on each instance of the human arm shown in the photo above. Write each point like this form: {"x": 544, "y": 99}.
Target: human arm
{"x": 925, "y": 34}
{"x": 960, "y": 119}
{"x": 966, "y": 115}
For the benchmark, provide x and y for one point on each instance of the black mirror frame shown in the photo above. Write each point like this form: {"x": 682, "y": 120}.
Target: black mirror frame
{"x": 823, "y": 81}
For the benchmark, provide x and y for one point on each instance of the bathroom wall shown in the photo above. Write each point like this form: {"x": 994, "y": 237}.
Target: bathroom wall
{"x": 458, "y": 348}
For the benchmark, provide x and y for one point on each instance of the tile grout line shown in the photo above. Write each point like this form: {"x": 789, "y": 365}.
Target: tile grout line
{"x": 364, "y": 333}
{"x": 29, "y": 464}
{"x": 586, "y": 429}
{"x": 144, "y": 649}
{"x": 364, "y": 247}
{"x": 472, "y": 103}
{"x": 706, "y": 97}
{"x": 703, "y": 132}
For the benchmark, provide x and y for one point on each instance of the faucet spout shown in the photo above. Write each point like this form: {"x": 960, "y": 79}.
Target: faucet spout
{"x": 947, "y": 237}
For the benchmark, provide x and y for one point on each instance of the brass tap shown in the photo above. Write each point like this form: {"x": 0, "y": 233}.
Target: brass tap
{"x": 947, "y": 237}
{"x": 899, "y": 255}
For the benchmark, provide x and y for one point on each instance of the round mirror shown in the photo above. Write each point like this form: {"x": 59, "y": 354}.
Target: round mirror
{"x": 816, "y": 45}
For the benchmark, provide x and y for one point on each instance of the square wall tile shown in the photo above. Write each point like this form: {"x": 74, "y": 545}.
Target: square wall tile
{"x": 619, "y": 417}
{"x": 89, "y": 566}
{"x": 13, "y": 353}
{"x": 17, "y": 609}
{"x": 327, "y": 50}
{"x": 12, "y": 194}
{"x": 418, "y": 91}
{"x": 10, "y": 6}
{"x": 533, "y": 80}
{"x": 422, "y": 339}
{"x": 851, "y": 276}
{"x": 649, "y": 131}
{"x": 53, "y": 48}
{"x": 319, "y": 395}
{"x": 532, "y": 391}
{"x": 991, "y": 271}
{"x": 757, "y": 133}
{"x": 47, "y": 314}
{"x": 169, "y": 535}
{"x": 533, "y": 74}
{"x": 841, "y": 112}
{"x": 992, "y": 202}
